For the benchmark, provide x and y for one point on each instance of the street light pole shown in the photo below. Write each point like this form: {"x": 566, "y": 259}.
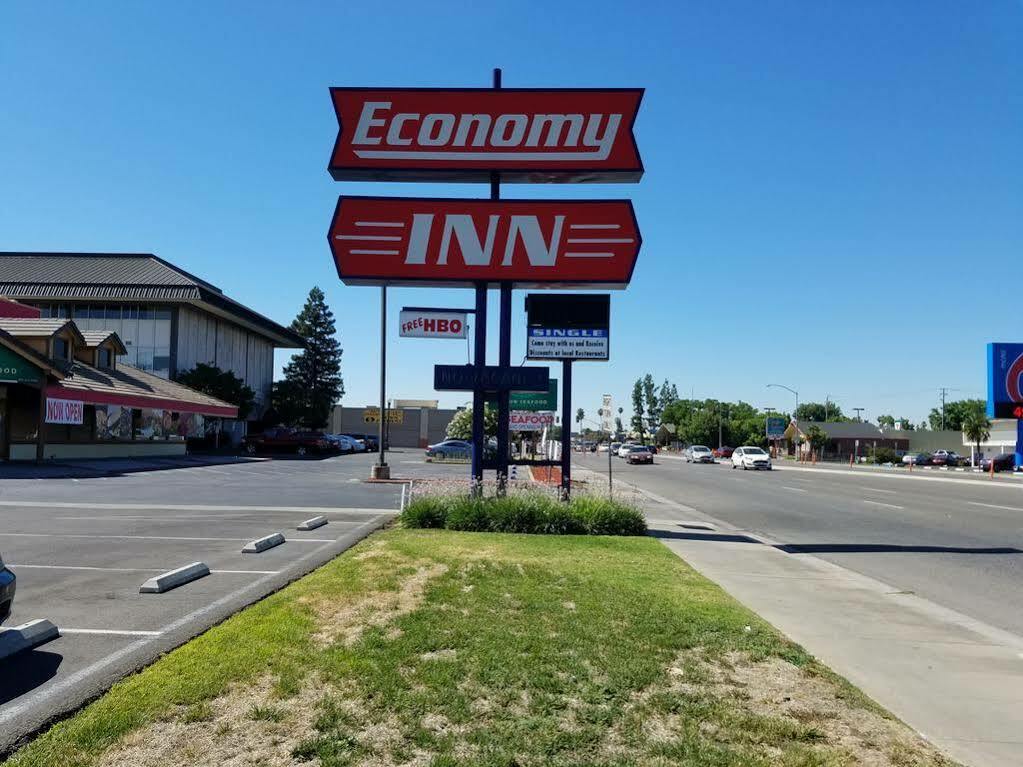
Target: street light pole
{"x": 787, "y": 388}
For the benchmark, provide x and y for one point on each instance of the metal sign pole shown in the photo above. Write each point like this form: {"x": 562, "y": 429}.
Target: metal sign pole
{"x": 478, "y": 398}
{"x": 382, "y": 470}
{"x": 566, "y": 430}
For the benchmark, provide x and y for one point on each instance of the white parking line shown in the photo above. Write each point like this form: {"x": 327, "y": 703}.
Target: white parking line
{"x": 795, "y": 489}
{"x": 995, "y": 506}
{"x": 182, "y": 507}
{"x": 886, "y": 505}
{"x": 111, "y": 632}
{"x": 132, "y": 569}
{"x": 879, "y": 490}
{"x": 153, "y": 537}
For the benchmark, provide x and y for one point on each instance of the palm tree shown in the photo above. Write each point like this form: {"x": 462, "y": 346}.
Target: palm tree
{"x": 977, "y": 428}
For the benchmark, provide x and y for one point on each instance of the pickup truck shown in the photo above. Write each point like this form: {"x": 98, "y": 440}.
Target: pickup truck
{"x": 283, "y": 440}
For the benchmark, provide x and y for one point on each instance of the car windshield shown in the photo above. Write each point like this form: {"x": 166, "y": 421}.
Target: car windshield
{"x": 700, "y": 449}
{"x": 752, "y": 451}
{"x": 638, "y": 449}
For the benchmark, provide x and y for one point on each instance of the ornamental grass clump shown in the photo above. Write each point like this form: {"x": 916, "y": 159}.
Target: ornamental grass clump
{"x": 527, "y": 512}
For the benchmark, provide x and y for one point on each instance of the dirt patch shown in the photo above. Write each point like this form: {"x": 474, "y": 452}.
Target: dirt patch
{"x": 226, "y": 731}
{"x": 346, "y": 621}
{"x": 771, "y": 696}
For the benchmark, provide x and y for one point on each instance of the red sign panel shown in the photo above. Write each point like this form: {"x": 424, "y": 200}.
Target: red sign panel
{"x": 526, "y": 135}
{"x": 444, "y": 242}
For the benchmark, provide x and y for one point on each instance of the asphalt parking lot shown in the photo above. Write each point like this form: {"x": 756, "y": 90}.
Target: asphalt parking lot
{"x": 82, "y": 546}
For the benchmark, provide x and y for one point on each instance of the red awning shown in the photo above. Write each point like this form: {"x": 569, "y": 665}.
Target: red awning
{"x": 135, "y": 401}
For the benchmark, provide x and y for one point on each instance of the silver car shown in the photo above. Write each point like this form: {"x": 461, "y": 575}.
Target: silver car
{"x": 698, "y": 454}
{"x": 7, "y": 585}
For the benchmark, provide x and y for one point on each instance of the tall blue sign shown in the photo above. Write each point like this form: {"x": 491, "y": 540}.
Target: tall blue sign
{"x": 1005, "y": 387}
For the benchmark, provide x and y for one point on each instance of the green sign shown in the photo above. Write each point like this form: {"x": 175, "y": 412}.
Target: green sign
{"x": 16, "y": 369}
{"x": 521, "y": 400}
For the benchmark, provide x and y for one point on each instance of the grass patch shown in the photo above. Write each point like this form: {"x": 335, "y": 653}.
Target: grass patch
{"x": 431, "y": 647}
{"x": 529, "y": 512}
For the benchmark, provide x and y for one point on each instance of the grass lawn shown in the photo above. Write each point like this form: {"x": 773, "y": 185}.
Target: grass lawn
{"x": 437, "y": 648}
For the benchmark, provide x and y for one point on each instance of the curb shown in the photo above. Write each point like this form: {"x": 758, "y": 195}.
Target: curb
{"x": 260, "y": 545}
{"x": 27, "y": 636}
{"x": 174, "y": 578}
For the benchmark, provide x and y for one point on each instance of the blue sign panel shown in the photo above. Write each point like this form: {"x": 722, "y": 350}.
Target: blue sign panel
{"x": 1004, "y": 373}
{"x": 490, "y": 378}
{"x": 776, "y": 427}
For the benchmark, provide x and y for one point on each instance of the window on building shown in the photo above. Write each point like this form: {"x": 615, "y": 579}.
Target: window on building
{"x": 61, "y": 349}
{"x": 104, "y": 357}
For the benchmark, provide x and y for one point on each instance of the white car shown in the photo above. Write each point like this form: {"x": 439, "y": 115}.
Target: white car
{"x": 749, "y": 457}
{"x": 699, "y": 454}
{"x": 624, "y": 449}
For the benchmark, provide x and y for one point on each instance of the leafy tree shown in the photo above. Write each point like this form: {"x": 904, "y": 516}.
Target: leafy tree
{"x": 460, "y": 426}
{"x": 312, "y": 380}
{"x": 652, "y": 399}
{"x": 817, "y": 438}
{"x": 668, "y": 394}
{"x": 580, "y": 414}
{"x": 619, "y": 428}
{"x": 222, "y": 384}
{"x": 886, "y": 421}
{"x": 816, "y": 411}
{"x": 637, "y": 407}
{"x": 956, "y": 413}
{"x": 977, "y": 428}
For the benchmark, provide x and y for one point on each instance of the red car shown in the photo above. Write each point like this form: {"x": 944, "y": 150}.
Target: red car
{"x": 724, "y": 452}
{"x": 286, "y": 441}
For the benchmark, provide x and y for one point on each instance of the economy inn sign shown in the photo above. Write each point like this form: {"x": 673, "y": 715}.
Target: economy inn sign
{"x": 465, "y": 134}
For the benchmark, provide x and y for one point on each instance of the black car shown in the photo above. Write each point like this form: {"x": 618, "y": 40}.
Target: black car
{"x": 7, "y": 585}
{"x": 1002, "y": 461}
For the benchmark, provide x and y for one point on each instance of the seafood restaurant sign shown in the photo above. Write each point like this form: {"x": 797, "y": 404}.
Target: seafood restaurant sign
{"x": 465, "y": 134}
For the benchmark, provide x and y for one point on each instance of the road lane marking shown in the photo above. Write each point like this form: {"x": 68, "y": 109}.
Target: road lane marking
{"x": 795, "y": 489}
{"x": 886, "y": 505}
{"x": 111, "y": 632}
{"x": 879, "y": 490}
{"x": 995, "y": 506}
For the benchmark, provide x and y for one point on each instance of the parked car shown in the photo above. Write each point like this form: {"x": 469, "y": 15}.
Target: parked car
{"x": 639, "y": 454}
{"x": 946, "y": 458}
{"x": 723, "y": 452}
{"x": 371, "y": 441}
{"x": 286, "y": 441}
{"x": 917, "y": 459}
{"x": 699, "y": 454}
{"x": 8, "y": 583}
{"x": 346, "y": 444}
{"x": 750, "y": 457}
{"x": 1002, "y": 462}
{"x": 456, "y": 449}
{"x": 652, "y": 449}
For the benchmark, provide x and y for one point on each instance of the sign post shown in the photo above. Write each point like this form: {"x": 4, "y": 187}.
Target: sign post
{"x": 488, "y": 136}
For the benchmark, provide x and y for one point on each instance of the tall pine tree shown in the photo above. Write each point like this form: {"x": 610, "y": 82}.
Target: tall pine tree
{"x": 312, "y": 382}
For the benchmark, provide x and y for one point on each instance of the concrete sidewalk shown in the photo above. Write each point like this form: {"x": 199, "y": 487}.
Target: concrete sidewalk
{"x": 957, "y": 681}
{"x": 106, "y": 467}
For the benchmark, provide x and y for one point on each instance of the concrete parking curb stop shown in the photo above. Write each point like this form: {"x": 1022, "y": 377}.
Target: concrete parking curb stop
{"x": 26, "y": 637}
{"x": 174, "y": 578}
{"x": 262, "y": 544}
{"x": 312, "y": 524}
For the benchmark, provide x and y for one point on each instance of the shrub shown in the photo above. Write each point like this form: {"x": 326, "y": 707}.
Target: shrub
{"x": 885, "y": 455}
{"x": 525, "y": 513}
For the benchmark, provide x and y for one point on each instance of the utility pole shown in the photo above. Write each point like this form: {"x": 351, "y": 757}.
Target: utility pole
{"x": 944, "y": 393}
{"x": 858, "y": 411}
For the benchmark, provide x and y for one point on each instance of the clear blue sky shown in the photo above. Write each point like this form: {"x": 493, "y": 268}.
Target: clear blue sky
{"x": 833, "y": 196}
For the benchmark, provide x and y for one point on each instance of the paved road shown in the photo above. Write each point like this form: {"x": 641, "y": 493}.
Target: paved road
{"x": 955, "y": 541}
{"x": 81, "y": 547}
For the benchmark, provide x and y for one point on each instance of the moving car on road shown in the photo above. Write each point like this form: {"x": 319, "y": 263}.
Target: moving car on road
{"x": 917, "y": 459}
{"x": 724, "y": 452}
{"x": 286, "y": 441}
{"x": 624, "y": 449}
{"x": 750, "y": 457}
{"x": 699, "y": 454}
{"x": 639, "y": 454}
{"x": 8, "y": 584}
